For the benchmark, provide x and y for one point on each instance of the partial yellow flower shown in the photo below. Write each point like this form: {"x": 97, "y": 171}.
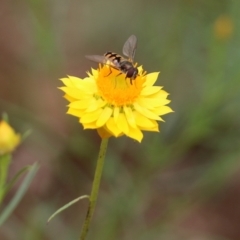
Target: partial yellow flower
{"x": 108, "y": 102}
{"x": 9, "y": 140}
{"x": 223, "y": 27}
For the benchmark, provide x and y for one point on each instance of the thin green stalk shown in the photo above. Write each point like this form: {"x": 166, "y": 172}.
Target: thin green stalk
{"x": 95, "y": 188}
{"x": 4, "y": 164}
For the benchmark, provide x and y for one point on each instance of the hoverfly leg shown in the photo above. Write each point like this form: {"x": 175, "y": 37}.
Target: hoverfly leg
{"x": 129, "y": 79}
{"x": 116, "y": 77}
{"x": 118, "y": 74}
{"x": 109, "y": 72}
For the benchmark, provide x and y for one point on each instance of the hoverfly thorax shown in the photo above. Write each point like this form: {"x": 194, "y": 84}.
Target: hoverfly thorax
{"x": 118, "y": 62}
{"x": 130, "y": 71}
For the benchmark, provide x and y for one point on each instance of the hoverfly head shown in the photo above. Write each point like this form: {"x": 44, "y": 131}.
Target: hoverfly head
{"x": 132, "y": 73}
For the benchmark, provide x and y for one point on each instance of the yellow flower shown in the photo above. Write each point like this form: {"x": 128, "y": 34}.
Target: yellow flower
{"x": 8, "y": 138}
{"x": 108, "y": 102}
{"x": 223, "y": 27}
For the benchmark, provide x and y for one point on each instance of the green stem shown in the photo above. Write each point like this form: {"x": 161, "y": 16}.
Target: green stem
{"x": 4, "y": 165}
{"x": 95, "y": 187}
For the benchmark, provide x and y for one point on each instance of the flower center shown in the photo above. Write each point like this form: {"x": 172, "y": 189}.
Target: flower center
{"x": 117, "y": 90}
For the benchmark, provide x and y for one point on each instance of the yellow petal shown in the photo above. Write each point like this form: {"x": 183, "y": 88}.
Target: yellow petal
{"x": 73, "y": 92}
{"x": 89, "y": 125}
{"x": 165, "y": 101}
{"x": 122, "y": 123}
{"x": 129, "y": 116}
{"x": 67, "y": 82}
{"x": 163, "y": 110}
{"x": 91, "y": 117}
{"x": 87, "y": 85}
{"x": 94, "y": 73}
{"x": 82, "y": 104}
{"x": 160, "y": 94}
{"x": 70, "y": 99}
{"x": 154, "y": 129}
{"x": 146, "y": 91}
{"x": 143, "y": 121}
{"x": 94, "y": 105}
{"x": 74, "y": 79}
{"x": 103, "y": 133}
{"x": 75, "y": 112}
{"x": 145, "y": 112}
{"x": 151, "y": 78}
{"x": 104, "y": 117}
{"x": 135, "y": 133}
{"x": 116, "y": 111}
{"x": 152, "y": 103}
{"x": 140, "y": 69}
{"x": 112, "y": 127}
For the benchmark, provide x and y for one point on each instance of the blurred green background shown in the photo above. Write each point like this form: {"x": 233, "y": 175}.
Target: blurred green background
{"x": 181, "y": 184}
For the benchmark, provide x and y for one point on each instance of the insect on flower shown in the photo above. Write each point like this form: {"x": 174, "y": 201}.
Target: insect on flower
{"x": 118, "y": 62}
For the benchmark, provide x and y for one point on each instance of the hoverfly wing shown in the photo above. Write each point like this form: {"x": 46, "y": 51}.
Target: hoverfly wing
{"x": 129, "y": 47}
{"x": 102, "y": 59}
{"x": 97, "y": 58}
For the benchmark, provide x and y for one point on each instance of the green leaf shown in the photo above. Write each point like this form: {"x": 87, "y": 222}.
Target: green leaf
{"x": 26, "y": 134}
{"x": 19, "y": 194}
{"x": 5, "y": 117}
{"x": 67, "y": 206}
{"x": 15, "y": 178}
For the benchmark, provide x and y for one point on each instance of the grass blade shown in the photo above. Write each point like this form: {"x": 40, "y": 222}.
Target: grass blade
{"x": 66, "y": 206}
{"x": 19, "y": 194}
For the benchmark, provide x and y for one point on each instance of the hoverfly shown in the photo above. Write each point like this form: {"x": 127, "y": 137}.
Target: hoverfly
{"x": 118, "y": 62}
